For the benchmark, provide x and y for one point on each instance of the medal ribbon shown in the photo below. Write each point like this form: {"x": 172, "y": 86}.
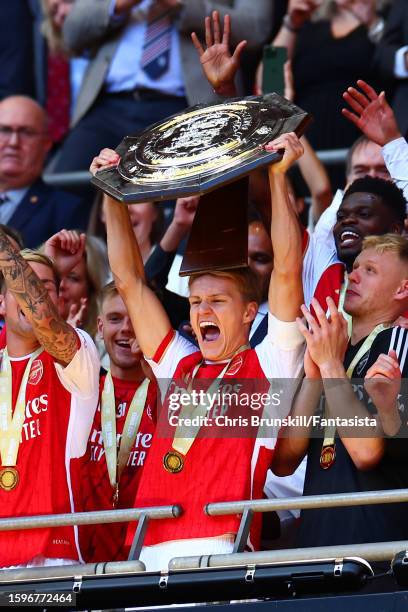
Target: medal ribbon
{"x": 116, "y": 460}
{"x": 329, "y": 432}
{"x": 181, "y": 443}
{"x": 11, "y": 424}
{"x": 340, "y": 307}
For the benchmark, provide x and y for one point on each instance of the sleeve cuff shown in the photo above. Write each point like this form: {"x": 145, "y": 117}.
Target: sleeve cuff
{"x": 400, "y": 69}
{"x": 81, "y": 375}
{"x": 284, "y": 334}
{"x": 395, "y": 146}
{"x": 164, "y": 345}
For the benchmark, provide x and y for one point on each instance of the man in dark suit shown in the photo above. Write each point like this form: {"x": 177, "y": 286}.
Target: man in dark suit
{"x": 143, "y": 66}
{"x": 26, "y": 203}
{"x": 392, "y": 59}
{"x": 16, "y": 49}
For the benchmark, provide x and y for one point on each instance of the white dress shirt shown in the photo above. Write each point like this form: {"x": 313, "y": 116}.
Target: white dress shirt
{"x": 9, "y": 207}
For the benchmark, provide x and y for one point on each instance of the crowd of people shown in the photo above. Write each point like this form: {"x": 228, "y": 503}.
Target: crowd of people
{"x": 105, "y": 349}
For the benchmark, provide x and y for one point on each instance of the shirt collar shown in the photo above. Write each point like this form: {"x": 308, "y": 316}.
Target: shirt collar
{"x": 16, "y": 195}
{"x": 263, "y": 308}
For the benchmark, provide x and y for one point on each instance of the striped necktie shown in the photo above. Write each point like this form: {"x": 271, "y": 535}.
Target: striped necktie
{"x": 156, "y": 45}
{"x": 58, "y": 95}
{"x": 4, "y": 212}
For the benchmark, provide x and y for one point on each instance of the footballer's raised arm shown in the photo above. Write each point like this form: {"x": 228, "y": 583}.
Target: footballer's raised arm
{"x": 149, "y": 319}
{"x": 285, "y": 290}
{"x": 56, "y": 336}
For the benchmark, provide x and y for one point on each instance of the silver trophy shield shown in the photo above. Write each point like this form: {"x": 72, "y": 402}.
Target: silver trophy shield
{"x": 200, "y": 149}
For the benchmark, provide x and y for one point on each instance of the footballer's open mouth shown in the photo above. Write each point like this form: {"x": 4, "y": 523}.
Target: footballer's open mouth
{"x": 210, "y": 332}
{"x": 349, "y": 238}
{"x": 124, "y": 344}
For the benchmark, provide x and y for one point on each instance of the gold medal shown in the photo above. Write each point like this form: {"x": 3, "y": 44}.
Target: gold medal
{"x": 327, "y": 456}
{"x": 173, "y": 462}
{"x": 8, "y": 478}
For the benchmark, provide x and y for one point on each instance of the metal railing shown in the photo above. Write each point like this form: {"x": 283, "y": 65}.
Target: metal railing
{"x": 377, "y": 551}
{"x": 248, "y": 508}
{"x": 142, "y": 515}
{"x": 80, "y": 178}
{"x": 373, "y": 551}
{"x": 308, "y": 501}
{"x": 133, "y": 575}
{"x": 67, "y": 571}
{"x": 89, "y": 518}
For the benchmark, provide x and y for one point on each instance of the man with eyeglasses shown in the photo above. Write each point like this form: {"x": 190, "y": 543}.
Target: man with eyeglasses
{"x": 27, "y": 204}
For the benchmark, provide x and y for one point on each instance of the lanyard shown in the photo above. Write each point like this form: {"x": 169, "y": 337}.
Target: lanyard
{"x": 181, "y": 443}
{"x": 342, "y": 298}
{"x": 329, "y": 432}
{"x": 11, "y": 425}
{"x": 117, "y": 459}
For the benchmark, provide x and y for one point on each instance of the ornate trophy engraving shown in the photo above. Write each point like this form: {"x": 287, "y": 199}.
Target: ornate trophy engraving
{"x": 200, "y": 149}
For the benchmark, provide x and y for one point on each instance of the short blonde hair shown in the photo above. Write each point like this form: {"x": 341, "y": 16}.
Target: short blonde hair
{"x": 388, "y": 243}
{"x": 34, "y": 257}
{"x": 245, "y": 280}
{"x": 108, "y": 291}
{"x": 38, "y": 257}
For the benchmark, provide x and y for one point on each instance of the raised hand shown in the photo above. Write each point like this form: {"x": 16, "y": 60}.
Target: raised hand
{"x": 219, "y": 66}
{"x": 78, "y": 312}
{"x": 106, "y": 159}
{"x": 292, "y": 150}
{"x": 185, "y": 211}
{"x": 383, "y": 384}
{"x": 66, "y": 248}
{"x": 326, "y": 339}
{"x": 385, "y": 370}
{"x": 372, "y": 113}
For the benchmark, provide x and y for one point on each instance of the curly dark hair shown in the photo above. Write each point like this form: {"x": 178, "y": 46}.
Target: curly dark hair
{"x": 391, "y": 195}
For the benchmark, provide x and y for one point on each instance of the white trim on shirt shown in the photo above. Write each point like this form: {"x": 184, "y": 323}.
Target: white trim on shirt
{"x": 395, "y": 155}
{"x": 400, "y": 66}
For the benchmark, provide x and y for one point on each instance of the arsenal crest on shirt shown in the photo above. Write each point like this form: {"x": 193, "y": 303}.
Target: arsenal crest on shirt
{"x": 36, "y": 372}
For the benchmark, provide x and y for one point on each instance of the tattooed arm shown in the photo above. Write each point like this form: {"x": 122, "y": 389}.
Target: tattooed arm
{"x": 56, "y": 336}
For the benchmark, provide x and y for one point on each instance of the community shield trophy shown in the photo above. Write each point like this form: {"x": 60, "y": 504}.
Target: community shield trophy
{"x": 200, "y": 149}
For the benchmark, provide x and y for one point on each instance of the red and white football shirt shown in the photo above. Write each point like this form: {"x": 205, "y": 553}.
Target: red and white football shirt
{"x": 216, "y": 469}
{"x": 323, "y": 272}
{"x": 106, "y": 542}
{"x": 3, "y": 338}
{"x": 60, "y": 406}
